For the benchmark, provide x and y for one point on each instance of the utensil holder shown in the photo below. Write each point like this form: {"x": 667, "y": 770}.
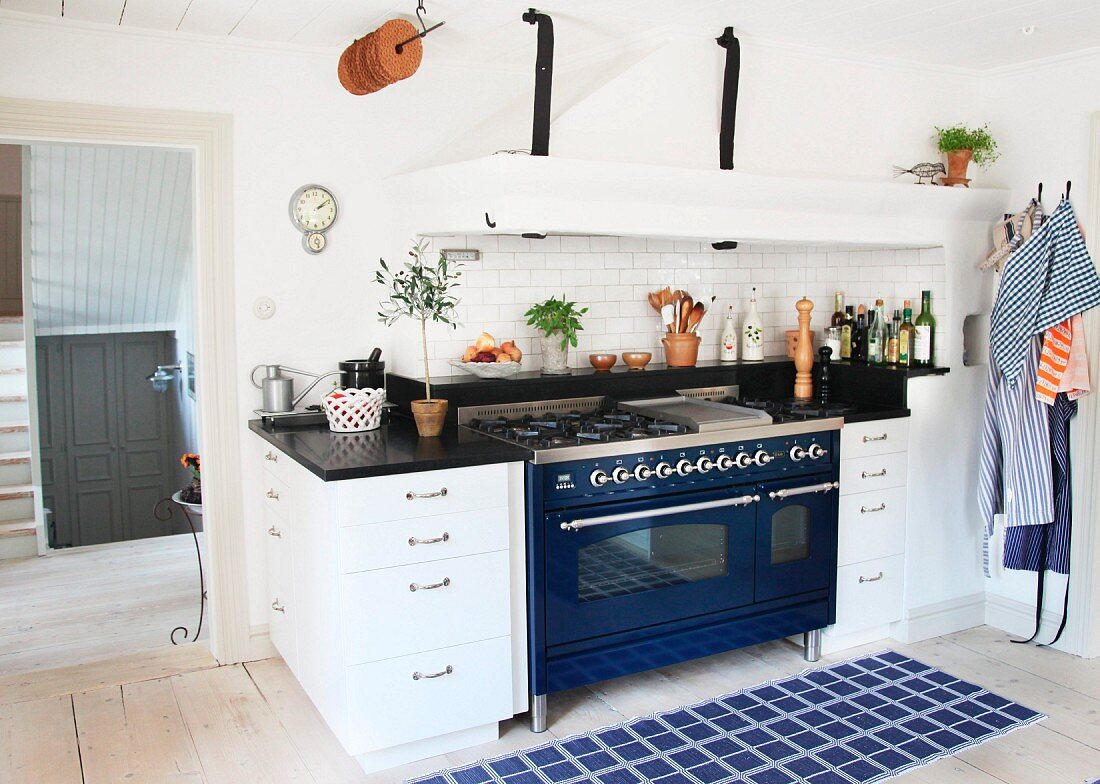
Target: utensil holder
{"x": 681, "y": 349}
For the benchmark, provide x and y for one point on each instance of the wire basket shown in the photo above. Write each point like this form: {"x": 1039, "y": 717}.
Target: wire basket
{"x": 488, "y": 369}
{"x": 354, "y": 410}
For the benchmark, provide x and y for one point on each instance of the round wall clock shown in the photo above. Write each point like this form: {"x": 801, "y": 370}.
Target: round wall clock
{"x": 313, "y": 211}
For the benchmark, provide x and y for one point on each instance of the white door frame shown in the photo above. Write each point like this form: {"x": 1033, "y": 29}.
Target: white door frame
{"x": 209, "y": 137}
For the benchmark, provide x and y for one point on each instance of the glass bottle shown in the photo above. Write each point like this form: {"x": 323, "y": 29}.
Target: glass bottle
{"x": 859, "y": 336}
{"x": 846, "y": 333}
{"x": 905, "y": 335}
{"x": 892, "y": 350}
{"x": 876, "y": 337}
{"x": 924, "y": 339}
{"x": 838, "y": 311}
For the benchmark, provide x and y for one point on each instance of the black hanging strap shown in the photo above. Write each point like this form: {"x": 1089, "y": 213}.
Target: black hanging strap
{"x": 544, "y": 77}
{"x": 729, "y": 42}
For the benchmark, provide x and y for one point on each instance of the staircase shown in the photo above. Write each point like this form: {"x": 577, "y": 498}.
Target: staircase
{"x": 18, "y": 535}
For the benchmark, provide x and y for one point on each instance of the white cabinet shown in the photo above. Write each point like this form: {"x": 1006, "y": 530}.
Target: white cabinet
{"x": 871, "y": 546}
{"x": 392, "y": 602}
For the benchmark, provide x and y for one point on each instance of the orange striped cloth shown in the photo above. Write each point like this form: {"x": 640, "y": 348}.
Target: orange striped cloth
{"x": 1064, "y": 363}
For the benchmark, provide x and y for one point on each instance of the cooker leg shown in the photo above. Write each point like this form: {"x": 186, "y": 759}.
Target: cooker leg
{"x": 538, "y": 713}
{"x": 811, "y": 645}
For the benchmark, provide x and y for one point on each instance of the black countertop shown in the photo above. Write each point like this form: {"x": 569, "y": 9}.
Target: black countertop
{"x": 395, "y": 448}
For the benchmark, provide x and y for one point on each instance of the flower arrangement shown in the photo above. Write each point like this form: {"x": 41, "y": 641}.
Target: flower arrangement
{"x": 193, "y": 493}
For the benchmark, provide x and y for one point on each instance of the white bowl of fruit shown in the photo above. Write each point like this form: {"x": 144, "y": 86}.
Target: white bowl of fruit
{"x": 485, "y": 359}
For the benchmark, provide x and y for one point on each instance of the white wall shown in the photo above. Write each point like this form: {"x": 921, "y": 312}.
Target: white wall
{"x": 11, "y": 168}
{"x": 293, "y": 124}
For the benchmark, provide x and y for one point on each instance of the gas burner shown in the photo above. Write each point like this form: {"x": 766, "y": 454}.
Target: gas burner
{"x": 661, "y": 428}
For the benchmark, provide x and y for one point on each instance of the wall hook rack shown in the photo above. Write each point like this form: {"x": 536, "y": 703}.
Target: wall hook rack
{"x": 424, "y": 29}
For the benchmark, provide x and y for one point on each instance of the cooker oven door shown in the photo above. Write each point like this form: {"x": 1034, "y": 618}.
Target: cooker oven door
{"x": 796, "y": 536}
{"x": 635, "y": 564}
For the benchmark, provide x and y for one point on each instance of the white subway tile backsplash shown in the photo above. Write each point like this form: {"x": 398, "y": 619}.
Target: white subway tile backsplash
{"x": 611, "y": 276}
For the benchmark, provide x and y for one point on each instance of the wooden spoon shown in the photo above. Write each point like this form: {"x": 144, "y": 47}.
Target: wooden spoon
{"x": 686, "y": 304}
{"x": 655, "y": 300}
{"x": 695, "y": 317}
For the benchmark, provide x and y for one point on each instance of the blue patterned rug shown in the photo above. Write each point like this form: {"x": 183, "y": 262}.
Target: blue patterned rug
{"x": 862, "y": 720}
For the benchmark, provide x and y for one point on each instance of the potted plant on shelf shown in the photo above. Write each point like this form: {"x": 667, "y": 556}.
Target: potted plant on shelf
{"x": 422, "y": 290}
{"x": 192, "y": 494}
{"x": 559, "y": 321}
{"x": 962, "y": 145}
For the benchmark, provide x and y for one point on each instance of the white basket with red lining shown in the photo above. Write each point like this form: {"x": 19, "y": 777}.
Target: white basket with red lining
{"x": 354, "y": 410}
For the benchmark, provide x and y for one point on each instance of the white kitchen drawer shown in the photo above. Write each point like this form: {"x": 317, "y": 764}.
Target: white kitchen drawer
{"x": 282, "y": 611}
{"x": 420, "y": 494}
{"x": 388, "y": 707}
{"x": 869, "y": 594}
{"x": 874, "y": 438}
{"x": 872, "y": 525}
{"x": 274, "y": 461}
{"x": 417, "y": 540}
{"x": 384, "y": 617}
{"x": 867, "y": 474}
{"x": 276, "y": 494}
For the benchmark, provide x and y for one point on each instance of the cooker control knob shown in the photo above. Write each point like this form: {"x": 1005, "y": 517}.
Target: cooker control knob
{"x": 761, "y": 458}
{"x": 742, "y": 460}
{"x": 685, "y": 467}
{"x": 642, "y": 472}
{"x": 797, "y": 453}
{"x": 599, "y": 478}
{"x": 724, "y": 462}
{"x": 817, "y": 451}
{"x": 620, "y": 475}
{"x": 663, "y": 470}
{"x": 704, "y": 464}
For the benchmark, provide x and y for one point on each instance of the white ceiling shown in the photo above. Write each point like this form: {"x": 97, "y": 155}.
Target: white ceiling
{"x": 972, "y": 34}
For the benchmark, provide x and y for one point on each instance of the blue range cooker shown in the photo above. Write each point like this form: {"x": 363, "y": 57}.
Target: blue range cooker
{"x": 653, "y": 540}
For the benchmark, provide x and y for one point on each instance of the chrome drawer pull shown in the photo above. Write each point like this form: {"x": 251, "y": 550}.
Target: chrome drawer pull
{"x": 274, "y": 496}
{"x": 440, "y": 493}
{"x": 278, "y": 607}
{"x": 274, "y": 458}
{"x": 874, "y": 579}
{"x": 414, "y": 587}
{"x": 273, "y": 531}
{"x": 419, "y": 675}
{"x": 868, "y": 509}
{"x": 824, "y": 487}
{"x": 869, "y": 439}
{"x": 873, "y": 474}
{"x": 413, "y": 541}
{"x": 577, "y": 525}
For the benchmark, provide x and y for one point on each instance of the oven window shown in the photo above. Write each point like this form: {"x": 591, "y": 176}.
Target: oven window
{"x": 651, "y": 559}
{"x": 791, "y": 534}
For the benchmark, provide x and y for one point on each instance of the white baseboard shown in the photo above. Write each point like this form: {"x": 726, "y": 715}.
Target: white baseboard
{"x": 259, "y": 643}
{"x": 940, "y": 618}
{"x": 1015, "y": 617}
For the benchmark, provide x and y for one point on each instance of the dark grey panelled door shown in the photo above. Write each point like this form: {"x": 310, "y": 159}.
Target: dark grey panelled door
{"x": 111, "y": 430}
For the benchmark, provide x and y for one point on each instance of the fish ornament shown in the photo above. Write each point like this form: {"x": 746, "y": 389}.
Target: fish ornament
{"x": 922, "y": 171}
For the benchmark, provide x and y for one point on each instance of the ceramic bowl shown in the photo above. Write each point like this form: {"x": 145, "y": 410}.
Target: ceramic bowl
{"x": 636, "y": 360}
{"x": 602, "y": 361}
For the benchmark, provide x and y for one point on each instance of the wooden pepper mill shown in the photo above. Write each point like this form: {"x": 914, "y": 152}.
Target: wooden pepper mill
{"x": 804, "y": 353}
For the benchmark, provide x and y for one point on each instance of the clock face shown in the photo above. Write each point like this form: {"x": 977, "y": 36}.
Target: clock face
{"x": 315, "y": 241}
{"x": 313, "y": 208}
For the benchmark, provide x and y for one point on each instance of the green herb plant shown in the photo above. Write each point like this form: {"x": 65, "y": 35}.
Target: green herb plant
{"x": 557, "y": 317}
{"x": 420, "y": 290}
{"x": 978, "y": 140}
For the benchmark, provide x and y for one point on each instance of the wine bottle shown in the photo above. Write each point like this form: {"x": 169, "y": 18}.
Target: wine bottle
{"x": 892, "y": 339}
{"x": 905, "y": 336}
{"x": 846, "y": 333}
{"x": 924, "y": 339}
{"x": 859, "y": 336}
{"x": 876, "y": 339}
{"x": 838, "y": 312}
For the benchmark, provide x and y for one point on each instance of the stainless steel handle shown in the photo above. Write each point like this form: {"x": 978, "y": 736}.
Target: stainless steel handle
{"x": 274, "y": 496}
{"x": 414, "y": 587}
{"x": 874, "y": 579}
{"x": 413, "y": 541}
{"x": 824, "y": 487}
{"x": 422, "y": 675}
{"x": 273, "y": 531}
{"x": 278, "y": 607}
{"x": 440, "y": 493}
{"x": 872, "y": 474}
{"x": 274, "y": 458}
{"x": 869, "y": 439}
{"x": 868, "y": 509}
{"x": 578, "y": 524}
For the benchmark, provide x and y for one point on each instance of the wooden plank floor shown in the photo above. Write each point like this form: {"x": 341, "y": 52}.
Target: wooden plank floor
{"x": 94, "y": 603}
{"x": 252, "y": 723}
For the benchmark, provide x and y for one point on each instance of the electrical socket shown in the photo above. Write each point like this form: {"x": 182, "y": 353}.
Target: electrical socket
{"x": 458, "y": 254}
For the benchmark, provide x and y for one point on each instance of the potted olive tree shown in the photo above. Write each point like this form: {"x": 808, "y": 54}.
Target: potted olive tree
{"x": 963, "y": 145}
{"x": 559, "y": 321}
{"x": 421, "y": 290}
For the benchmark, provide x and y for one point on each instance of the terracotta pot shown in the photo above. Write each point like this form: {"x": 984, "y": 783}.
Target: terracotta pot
{"x": 957, "y": 162}
{"x": 429, "y": 416}
{"x": 681, "y": 349}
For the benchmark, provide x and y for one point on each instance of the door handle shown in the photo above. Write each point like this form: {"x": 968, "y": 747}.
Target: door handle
{"x": 824, "y": 487}
{"x": 274, "y": 458}
{"x": 872, "y": 474}
{"x": 874, "y": 579}
{"x": 440, "y": 493}
{"x": 868, "y": 509}
{"x": 580, "y": 523}
{"x": 278, "y": 607}
{"x": 274, "y": 496}
{"x": 413, "y": 541}
{"x": 869, "y": 439}
{"x": 414, "y": 587}
{"x": 423, "y": 675}
{"x": 273, "y": 531}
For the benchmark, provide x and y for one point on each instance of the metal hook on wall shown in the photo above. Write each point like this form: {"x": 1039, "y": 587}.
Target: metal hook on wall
{"x": 424, "y": 29}
{"x": 1068, "y": 186}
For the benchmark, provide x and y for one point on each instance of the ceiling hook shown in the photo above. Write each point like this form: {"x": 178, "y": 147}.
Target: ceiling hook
{"x": 420, "y": 11}
{"x": 424, "y": 29}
